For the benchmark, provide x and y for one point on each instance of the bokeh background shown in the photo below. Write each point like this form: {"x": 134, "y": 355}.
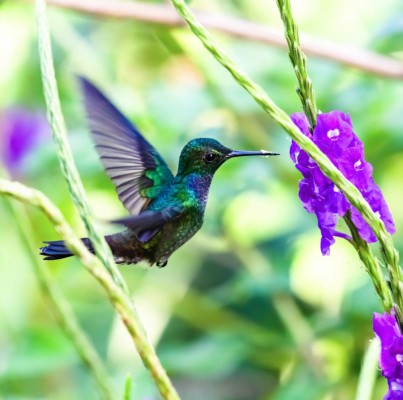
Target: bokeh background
{"x": 248, "y": 309}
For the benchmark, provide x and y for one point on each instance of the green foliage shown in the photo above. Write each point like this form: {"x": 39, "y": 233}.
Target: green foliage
{"x": 213, "y": 310}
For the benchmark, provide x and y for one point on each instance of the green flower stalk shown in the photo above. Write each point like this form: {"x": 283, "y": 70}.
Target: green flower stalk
{"x": 59, "y": 305}
{"x": 353, "y": 195}
{"x": 298, "y": 60}
{"x": 65, "y": 156}
{"x": 337, "y": 139}
{"x": 109, "y": 276}
{"x": 335, "y": 136}
{"x": 345, "y": 149}
{"x": 258, "y": 94}
{"x": 371, "y": 264}
{"x": 115, "y": 293}
{"x": 367, "y": 378}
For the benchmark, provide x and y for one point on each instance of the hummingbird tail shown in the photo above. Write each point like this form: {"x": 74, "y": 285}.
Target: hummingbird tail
{"x": 57, "y": 250}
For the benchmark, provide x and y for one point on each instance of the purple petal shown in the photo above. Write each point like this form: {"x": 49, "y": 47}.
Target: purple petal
{"x": 327, "y": 224}
{"x": 301, "y": 121}
{"x": 335, "y": 200}
{"x": 334, "y": 135}
{"x": 305, "y": 195}
{"x": 362, "y": 227}
{"x": 394, "y": 394}
{"x": 385, "y": 327}
{"x": 388, "y": 331}
{"x": 294, "y": 151}
{"x": 21, "y": 131}
{"x": 378, "y": 204}
{"x": 355, "y": 168}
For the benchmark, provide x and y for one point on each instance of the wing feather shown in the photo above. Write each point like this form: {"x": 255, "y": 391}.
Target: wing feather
{"x": 125, "y": 154}
{"x": 149, "y": 222}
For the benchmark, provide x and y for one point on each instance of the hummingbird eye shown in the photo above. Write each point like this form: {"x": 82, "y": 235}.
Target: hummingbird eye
{"x": 209, "y": 157}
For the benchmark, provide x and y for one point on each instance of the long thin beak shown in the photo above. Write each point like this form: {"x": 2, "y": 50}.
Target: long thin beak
{"x": 242, "y": 153}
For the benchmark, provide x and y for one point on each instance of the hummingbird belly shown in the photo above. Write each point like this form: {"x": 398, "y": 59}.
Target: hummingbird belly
{"x": 175, "y": 234}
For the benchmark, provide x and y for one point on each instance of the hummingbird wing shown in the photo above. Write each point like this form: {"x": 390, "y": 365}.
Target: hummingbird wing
{"x": 134, "y": 166}
{"x": 149, "y": 222}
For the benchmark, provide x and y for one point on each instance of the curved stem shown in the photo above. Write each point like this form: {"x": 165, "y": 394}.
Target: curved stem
{"x": 389, "y": 253}
{"x": 298, "y": 60}
{"x": 371, "y": 265}
{"x": 60, "y": 306}
{"x": 116, "y": 295}
{"x": 307, "y": 97}
{"x": 63, "y": 149}
{"x": 366, "y": 380}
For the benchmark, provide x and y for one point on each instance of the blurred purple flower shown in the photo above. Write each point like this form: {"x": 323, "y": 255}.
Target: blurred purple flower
{"x": 334, "y": 135}
{"x": 388, "y": 331}
{"x": 21, "y": 130}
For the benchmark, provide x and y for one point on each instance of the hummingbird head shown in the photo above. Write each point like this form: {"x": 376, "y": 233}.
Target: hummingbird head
{"x": 205, "y": 156}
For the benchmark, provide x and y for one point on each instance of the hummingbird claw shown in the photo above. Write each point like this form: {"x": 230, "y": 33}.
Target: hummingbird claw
{"x": 162, "y": 264}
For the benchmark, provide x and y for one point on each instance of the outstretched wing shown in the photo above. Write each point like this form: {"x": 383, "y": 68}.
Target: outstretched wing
{"x": 135, "y": 167}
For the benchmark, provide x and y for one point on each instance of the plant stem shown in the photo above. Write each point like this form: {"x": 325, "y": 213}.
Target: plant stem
{"x": 366, "y": 380}
{"x": 298, "y": 60}
{"x": 116, "y": 295}
{"x": 59, "y": 305}
{"x": 63, "y": 149}
{"x": 389, "y": 253}
{"x": 371, "y": 265}
{"x": 307, "y": 97}
{"x": 128, "y": 388}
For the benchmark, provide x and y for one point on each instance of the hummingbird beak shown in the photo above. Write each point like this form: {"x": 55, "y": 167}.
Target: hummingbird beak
{"x": 242, "y": 153}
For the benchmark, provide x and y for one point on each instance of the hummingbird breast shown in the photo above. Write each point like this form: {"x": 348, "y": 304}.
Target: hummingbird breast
{"x": 191, "y": 193}
{"x": 174, "y": 234}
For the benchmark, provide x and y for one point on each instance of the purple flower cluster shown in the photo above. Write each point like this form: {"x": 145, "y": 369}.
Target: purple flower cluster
{"x": 334, "y": 135}
{"x": 387, "y": 330}
{"x": 21, "y": 130}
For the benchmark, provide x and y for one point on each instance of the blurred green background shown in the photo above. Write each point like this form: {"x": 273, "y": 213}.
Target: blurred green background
{"x": 248, "y": 309}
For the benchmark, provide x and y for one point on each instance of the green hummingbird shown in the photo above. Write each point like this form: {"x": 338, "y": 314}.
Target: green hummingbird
{"x": 165, "y": 210}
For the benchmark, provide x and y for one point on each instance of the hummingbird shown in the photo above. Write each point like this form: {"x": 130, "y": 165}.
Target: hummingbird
{"x": 165, "y": 210}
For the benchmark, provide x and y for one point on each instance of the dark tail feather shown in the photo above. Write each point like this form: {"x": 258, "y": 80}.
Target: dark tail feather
{"x": 57, "y": 250}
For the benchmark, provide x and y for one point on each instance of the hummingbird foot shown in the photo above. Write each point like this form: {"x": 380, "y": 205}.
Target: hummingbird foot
{"x": 127, "y": 260}
{"x": 162, "y": 263}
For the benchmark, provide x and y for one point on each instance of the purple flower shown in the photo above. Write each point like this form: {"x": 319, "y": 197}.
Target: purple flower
{"x": 21, "y": 131}
{"x": 334, "y": 135}
{"x": 387, "y": 330}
